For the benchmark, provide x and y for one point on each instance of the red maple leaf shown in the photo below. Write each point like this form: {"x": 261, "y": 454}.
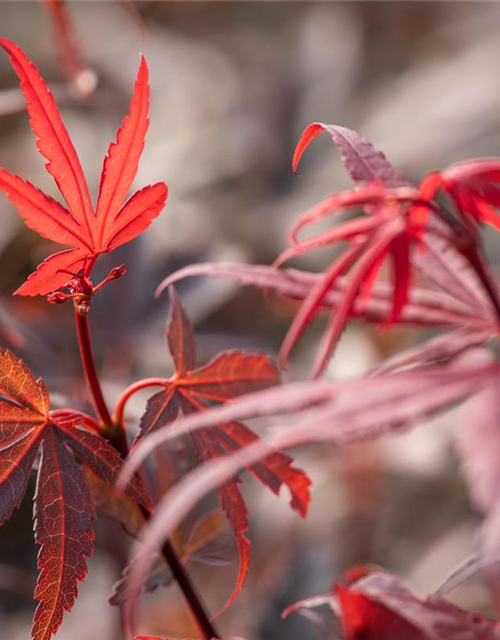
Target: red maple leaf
{"x": 190, "y": 390}
{"x": 89, "y": 233}
{"x": 395, "y": 221}
{"x": 63, "y": 505}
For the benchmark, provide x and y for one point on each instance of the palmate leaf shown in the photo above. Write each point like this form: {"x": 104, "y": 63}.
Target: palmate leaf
{"x": 365, "y": 164}
{"x": 89, "y": 233}
{"x": 64, "y": 508}
{"x": 387, "y": 197}
{"x": 190, "y": 390}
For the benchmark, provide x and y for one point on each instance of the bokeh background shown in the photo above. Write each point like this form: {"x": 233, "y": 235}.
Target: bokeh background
{"x": 233, "y": 85}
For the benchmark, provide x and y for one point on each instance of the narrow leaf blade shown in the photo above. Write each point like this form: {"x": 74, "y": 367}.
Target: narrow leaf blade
{"x": 121, "y": 163}
{"x": 53, "y": 141}
{"x": 135, "y": 216}
{"x": 42, "y": 213}
{"x": 63, "y": 528}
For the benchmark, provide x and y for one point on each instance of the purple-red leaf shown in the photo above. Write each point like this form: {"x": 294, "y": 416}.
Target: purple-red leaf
{"x": 479, "y": 449}
{"x": 361, "y": 159}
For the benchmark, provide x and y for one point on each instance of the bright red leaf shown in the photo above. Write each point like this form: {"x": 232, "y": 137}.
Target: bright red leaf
{"x": 64, "y": 508}
{"x": 191, "y": 390}
{"x": 89, "y": 233}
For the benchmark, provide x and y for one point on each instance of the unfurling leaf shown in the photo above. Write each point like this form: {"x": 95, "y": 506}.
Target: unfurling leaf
{"x": 89, "y": 233}
{"x": 63, "y": 505}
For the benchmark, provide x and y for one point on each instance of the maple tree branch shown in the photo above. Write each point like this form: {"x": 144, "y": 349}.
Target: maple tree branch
{"x": 190, "y": 592}
{"x": 114, "y": 431}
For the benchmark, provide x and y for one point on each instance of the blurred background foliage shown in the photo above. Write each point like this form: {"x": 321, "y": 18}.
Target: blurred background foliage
{"x": 233, "y": 85}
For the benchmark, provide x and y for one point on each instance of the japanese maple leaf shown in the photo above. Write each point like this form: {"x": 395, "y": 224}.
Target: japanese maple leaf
{"x": 395, "y": 222}
{"x": 89, "y": 233}
{"x": 474, "y": 186}
{"x": 63, "y": 506}
{"x": 190, "y": 390}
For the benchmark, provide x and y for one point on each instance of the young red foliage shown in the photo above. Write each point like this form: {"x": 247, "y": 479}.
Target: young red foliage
{"x": 64, "y": 508}
{"x": 89, "y": 233}
{"x": 191, "y": 390}
{"x": 396, "y": 222}
{"x": 398, "y": 216}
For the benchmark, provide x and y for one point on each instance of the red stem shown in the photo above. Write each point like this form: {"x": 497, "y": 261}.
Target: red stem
{"x": 82, "y": 328}
{"x": 114, "y": 432}
{"x": 118, "y": 415}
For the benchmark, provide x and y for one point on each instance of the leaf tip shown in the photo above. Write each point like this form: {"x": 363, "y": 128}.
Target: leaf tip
{"x": 308, "y": 134}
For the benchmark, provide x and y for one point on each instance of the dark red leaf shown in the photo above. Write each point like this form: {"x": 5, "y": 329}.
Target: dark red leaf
{"x": 228, "y": 375}
{"x": 180, "y": 337}
{"x": 63, "y": 529}
{"x": 63, "y": 504}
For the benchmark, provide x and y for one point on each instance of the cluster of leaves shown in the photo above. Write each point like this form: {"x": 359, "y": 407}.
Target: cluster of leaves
{"x": 63, "y": 504}
{"x": 408, "y": 224}
{"x": 400, "y": 222}
{"x": 191, "y": 390}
